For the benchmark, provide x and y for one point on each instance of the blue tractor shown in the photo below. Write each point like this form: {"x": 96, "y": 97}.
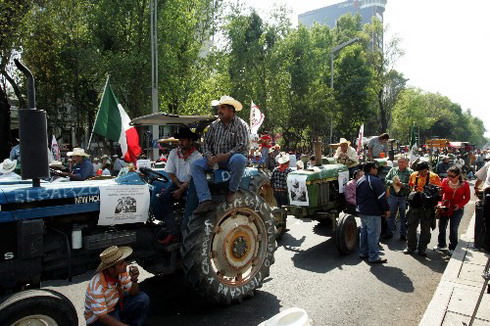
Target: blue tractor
{"x": 57, "y": 230}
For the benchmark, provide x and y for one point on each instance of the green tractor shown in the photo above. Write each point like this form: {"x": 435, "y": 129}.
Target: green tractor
{"x": 317, "y": 193}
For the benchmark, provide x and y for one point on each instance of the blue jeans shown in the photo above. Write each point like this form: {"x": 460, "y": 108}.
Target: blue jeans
{"x": 236, "y": 165}
{"x": 454, "y": 221}
{"x": 397, "y": 204}
{"x": 135, "y": 309}
{"x": 167, "y": 209}
{"x": 370, "y": 231}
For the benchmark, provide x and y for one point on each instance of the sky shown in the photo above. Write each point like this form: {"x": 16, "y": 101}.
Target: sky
{"x": 446, "y": 45}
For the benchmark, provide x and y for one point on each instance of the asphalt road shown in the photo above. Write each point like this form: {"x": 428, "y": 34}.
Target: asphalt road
{"x": 308, "y": 273}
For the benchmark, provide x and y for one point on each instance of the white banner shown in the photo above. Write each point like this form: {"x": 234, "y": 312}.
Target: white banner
{"x": 359, "y": 138}
{"x": 343, "y": 179}
{"x": 55, "y": 149}
{"x": 122, "y": 204}
{"x": 143, "y": 164}
{"x": 256, "y": 118}
{"x": 297, "y": 191}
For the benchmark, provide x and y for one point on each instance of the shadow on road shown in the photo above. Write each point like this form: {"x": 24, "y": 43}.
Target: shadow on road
{"x": 174, "y": 302}
{"x": 394, "y": 277}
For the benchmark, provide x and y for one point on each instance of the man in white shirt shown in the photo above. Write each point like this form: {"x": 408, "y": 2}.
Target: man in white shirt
{"x": 346, "y": 155}
{"x": 7, "y": 168}
{"x": 179, "y": 171}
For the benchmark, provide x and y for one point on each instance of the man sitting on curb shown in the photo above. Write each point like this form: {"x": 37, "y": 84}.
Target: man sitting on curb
{"x": 113, "y": 296}
{"x": 226, "y": 145}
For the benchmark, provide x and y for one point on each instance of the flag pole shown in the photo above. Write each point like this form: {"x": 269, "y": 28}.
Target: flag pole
{"x": 97, "y": 115}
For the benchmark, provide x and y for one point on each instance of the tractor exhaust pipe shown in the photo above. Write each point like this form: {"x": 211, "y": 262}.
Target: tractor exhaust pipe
{"x": 33, "y": 135}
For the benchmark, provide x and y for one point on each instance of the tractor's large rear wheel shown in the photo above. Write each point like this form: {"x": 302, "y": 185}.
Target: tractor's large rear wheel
{"x": 227, "y": 253}
{"x": 346, "y": 234}
{"x": 261, "y": 186}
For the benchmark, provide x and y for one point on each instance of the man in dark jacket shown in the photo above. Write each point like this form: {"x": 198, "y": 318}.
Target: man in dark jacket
{"x": 371, "y": 205}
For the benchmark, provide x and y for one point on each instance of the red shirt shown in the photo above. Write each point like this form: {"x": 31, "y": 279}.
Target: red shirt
{"x": 266, "y": 141}
{"x": 459, "y": 196}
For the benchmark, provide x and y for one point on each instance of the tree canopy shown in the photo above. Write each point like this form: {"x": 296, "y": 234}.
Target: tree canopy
{"x": 204, "y": 52}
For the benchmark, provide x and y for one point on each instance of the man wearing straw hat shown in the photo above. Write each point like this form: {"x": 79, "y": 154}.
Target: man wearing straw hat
{"x": 7, "y": 168}
{"x": 82, "y": 169}
{"x": 346, "y": 155}
{"x": 113, "y": 296}
{"x": 279, "y": 179}
{"x": 226, "y": 146}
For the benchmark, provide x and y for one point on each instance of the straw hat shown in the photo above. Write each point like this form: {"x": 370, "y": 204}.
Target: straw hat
{"x": 56, "y": 164}
{"x": 113, "y": 255}
{"x": 282, "y": 158}
{"x": 78, "y": 152}
{"x": 8, "y": 165}
{"x": 343, "y": 141}
{"x": 231, "y": 101}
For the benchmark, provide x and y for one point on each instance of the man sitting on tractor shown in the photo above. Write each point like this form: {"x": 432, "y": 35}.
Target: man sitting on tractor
{"x": 179, "y": 171}
{"x": 346, "y": 155}
{"x": 225, "y": 146}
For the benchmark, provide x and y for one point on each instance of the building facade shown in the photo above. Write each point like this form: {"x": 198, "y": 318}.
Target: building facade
{"x": 367, "y": 9}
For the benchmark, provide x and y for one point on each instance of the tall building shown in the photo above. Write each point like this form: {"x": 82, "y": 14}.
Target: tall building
{"x": 329, "y": 15}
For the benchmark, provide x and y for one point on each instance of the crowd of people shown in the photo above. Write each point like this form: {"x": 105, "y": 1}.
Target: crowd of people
{"x": 412, "y": 194}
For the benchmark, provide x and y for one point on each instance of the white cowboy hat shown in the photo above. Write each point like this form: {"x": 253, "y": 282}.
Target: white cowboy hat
{"x": 231, "y": 101}
{"x": 77, "y": 152}
{"x": 113, "y": 255}
{"x": 8, "y": 165}
{"x": 343, "y": 141}
{"x": 300, "y": 165}
{"x": 282, "y": 158}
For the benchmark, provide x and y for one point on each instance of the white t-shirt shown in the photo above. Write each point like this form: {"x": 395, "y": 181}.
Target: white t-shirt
{"x": 180, "y": 167}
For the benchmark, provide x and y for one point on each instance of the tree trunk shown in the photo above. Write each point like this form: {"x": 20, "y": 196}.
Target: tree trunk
{"x": 4, "y": 125}
{"x": 383, "y": 119}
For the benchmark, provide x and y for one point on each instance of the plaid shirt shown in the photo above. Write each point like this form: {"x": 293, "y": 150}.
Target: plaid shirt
{"x": 278, "y": 178}
{"x": 232, "y": 138}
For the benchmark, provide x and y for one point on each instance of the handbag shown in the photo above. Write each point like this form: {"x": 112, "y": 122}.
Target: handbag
{"x": 415, "y": 198}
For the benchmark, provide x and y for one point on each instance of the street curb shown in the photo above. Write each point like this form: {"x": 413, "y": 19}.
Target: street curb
{"x": 458, "y": 277}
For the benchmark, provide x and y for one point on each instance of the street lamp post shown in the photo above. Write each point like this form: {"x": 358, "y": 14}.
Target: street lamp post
{"x": 332, "y": 52}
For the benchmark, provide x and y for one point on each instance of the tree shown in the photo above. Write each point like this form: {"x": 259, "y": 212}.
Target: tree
{"x": 387, "y": 82}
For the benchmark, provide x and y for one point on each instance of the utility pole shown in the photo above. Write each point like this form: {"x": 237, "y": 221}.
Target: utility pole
{"x": 154, "y": 71}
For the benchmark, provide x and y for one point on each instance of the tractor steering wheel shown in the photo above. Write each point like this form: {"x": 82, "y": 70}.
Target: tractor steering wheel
{"x": 152, "y": 175}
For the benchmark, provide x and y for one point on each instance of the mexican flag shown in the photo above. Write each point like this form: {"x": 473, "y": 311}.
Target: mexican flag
{"x": 113, "y": 122}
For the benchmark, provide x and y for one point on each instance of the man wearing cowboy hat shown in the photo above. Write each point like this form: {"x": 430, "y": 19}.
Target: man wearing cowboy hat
{"x": 279, "y": 177}
{"x": 82, "y": 168}
{"x": 7, "y": 168}
{"x": 113, "y": 296}
{"x": 346, "y": 155}
{"x": 226, "y": 145}
{"x": 178, "y": 168}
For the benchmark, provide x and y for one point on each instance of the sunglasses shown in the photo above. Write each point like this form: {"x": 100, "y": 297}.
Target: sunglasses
{"x": 452, "y": 176}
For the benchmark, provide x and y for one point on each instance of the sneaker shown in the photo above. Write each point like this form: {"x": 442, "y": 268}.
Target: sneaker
{"x": 437, "y": 248}
{"x": 408, "y": 251}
